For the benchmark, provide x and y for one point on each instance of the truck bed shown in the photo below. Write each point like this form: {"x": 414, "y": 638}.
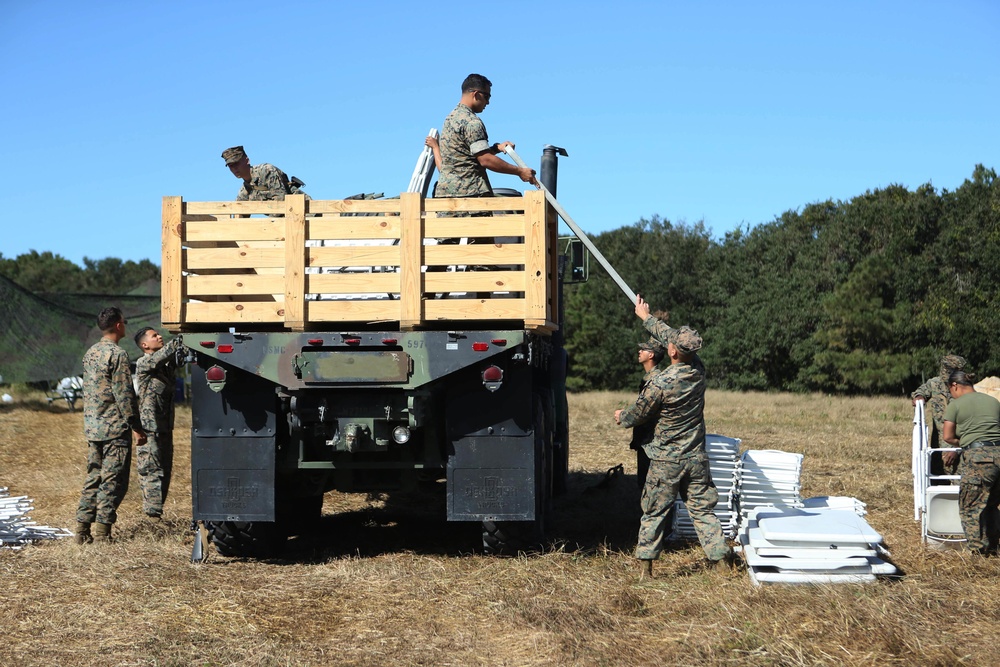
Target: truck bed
{"x": 322, "y": 265}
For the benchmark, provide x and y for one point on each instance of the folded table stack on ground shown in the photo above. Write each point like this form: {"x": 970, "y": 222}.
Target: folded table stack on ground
{"x": 814, "y": 546}
{"x": 769, "y": 478}
{"x": 16, "y": 529}
{"x": 724, "y": 462}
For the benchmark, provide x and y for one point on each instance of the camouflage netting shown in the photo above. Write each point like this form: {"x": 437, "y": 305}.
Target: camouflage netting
{"x": 43, "y": 336}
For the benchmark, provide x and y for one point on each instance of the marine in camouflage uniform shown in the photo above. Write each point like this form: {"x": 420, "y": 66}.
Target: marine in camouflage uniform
{"x": 936, "y": 398}
{"x": 679, "y": 465}
{"x": 650, "y": 354}
{"x": 466, "y": 152}
{"x": 972, "y": 421}
{"x": 156, "y": 376}
{"x": 261, "y": 182}
{"x": 110, "y": 417}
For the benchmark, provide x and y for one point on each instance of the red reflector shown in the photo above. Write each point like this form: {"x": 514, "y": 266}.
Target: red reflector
{"x": 492, "y": 374}
{"x": 315, "y": 341}
{"x": 499, "y": 341}
{"x": 225, "y": 348}
{"x": 389, "y": 341}
{"x": 352, "y": 341}
{"x": 208, "y": 343}
{"x": 480, "y": 347}
{"x": 215, "y": 374}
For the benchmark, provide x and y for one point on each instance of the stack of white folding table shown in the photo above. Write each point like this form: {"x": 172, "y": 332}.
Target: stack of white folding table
{"x": 816, "y": 546}
{"x": 724, "y": 463}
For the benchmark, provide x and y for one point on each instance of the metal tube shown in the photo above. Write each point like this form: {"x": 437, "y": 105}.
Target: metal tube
{"x": 579, "y": 232}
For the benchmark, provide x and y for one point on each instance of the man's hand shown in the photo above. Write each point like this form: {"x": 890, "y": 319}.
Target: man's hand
{"x": 915, "y": 399}
{"x": 949, "y": 458}
{"x": 641, "y": 308}
{"x": 502, "y": 147}
{"x": 140, "y": 438}
{"x": 618, "y": 417}
{"x": 527, "y": 175}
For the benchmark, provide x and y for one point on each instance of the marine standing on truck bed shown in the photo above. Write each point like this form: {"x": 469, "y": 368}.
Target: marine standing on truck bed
{"x": 261, "y": 182}
{"x": 466, "y": 152}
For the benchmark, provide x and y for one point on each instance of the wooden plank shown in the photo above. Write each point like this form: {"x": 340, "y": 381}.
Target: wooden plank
{"x": 235, "y": 312}
{"x": 233, "y": 258}
{"x": 480, "y": 253}
{"x": 355, "y": 255}
{"x": 241, "y": 229}
{"x": 374, "y": 227}
{"x": 535, "y": 268}
{"x": 473, "y": 309}
{"x": 552, "y": 303}
{"x": 269, "y": 208}
{"x": 171, "y": 276}
{"x": 354, "y": 206}
{"x": 451, "y": 204}
{"x": 411, "y": 253}
{"x": 500, "y": 225}
{"x": 352, "y": 283}
{"x": 241, "y": 285}
{"x": 295, "y": 261}
{"x": 474, "y": 281}
{"x": 370, "y": 311}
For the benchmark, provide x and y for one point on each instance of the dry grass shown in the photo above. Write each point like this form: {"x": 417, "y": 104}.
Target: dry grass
{"x": 390, "y": 583}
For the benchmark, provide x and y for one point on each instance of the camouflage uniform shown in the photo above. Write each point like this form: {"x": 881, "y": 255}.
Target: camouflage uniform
{"x": 463, "y": 135}
{"x": 267, "y": 183}
{"x": 110, "y": 414}
{"x": 156, "y": 375}
{"x": 977, "y": 424}
{"x": 936, "y": 396}
{"x": 675, "y": 398}
{"x": 643, "y": 433}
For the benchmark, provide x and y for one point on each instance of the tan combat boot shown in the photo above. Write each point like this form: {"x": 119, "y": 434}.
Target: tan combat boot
{"x": 82, "y": 534}
{"x": 645, "y": 569}
{"x": 102, "y": 532}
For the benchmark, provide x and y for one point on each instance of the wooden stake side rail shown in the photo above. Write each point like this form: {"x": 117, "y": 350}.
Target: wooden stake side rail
{"x": 303, "y": 264}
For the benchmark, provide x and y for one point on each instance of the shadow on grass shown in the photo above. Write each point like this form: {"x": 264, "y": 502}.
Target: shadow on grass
{"x": 594, "y": 514}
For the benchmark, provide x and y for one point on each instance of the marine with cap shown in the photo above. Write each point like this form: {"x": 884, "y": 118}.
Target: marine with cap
{"x": 936, "y": 397}
{"x": 650, "y": 354}
{"x": 261, "y": 182}
{"x": 156, "y": 377}
{"x": 679, "y": 466}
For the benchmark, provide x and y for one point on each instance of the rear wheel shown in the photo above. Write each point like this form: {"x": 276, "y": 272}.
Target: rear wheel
{"x": 246, "y": 539}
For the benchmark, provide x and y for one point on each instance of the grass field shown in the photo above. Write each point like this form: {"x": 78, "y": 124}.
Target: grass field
{"x": 389, "y": 582}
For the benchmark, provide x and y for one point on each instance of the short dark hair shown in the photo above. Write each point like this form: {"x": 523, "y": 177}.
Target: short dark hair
{"x": 658, "y": 355}
{"x": 108, "y": 318}
{"x": 140, "y": 334}
{"x": 476, "y": 82}
{"x": 961, "y": 377}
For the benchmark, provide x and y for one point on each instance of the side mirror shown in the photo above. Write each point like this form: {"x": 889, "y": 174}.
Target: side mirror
{"x": 574, "y": 260}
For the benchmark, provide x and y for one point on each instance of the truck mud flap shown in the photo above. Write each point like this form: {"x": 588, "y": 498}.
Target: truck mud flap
{"x": 233, "y": 479}
{"x": 492, "y": 478}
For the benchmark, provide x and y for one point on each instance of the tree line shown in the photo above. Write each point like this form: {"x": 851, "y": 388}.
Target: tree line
{"x": 859, "y": 297}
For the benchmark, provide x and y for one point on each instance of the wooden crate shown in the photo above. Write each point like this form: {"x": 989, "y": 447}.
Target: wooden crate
{"x": 303, "y": 264}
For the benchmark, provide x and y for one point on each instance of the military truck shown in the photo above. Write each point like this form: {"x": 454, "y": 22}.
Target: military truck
{"x": 368, "y": 345}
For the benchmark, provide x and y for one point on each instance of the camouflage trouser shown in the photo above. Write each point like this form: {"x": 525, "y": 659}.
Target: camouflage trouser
{"x": 979, "y": 496}
{"x": 108, "y": 465}
{"x": 154, "y": 462}
{"x": 690, "y": 479}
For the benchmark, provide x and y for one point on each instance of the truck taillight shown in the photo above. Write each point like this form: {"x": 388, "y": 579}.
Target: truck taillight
{"x": 492, "y": 378}
{"x": 352, "y": 341}
{"x": 315, "y": 341}
{"x": 225, "y": 348}
{"x": 216, "y": 377}
{"x": 499, "y": 341}
{"x": 480, "y": 347}
{"x": 389, "y": 341}
{"x": 207, "y": 343}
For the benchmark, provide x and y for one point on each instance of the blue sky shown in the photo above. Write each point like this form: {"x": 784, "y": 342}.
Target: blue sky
{"x": 727, "y": 112}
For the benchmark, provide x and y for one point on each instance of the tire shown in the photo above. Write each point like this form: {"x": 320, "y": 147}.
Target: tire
{"x": 245, "y": 539}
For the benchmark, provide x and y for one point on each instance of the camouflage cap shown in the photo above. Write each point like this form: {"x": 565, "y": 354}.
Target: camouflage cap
{"x": 234, "y": 154}
{"x": 652, "y": 345}
{"x": 685, "y": 339}
{"x": 951, "y": 362}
